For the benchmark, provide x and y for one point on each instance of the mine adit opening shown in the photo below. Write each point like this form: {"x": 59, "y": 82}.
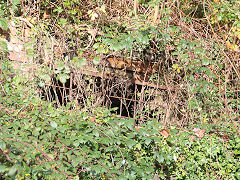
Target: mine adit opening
{"x": 94, "y": 92}
{"x": 131, "y": 97}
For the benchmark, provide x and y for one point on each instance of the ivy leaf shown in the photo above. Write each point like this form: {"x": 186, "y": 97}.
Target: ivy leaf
{"x": 145, "y": 39}
{"x": 45, "y": 77}
{"x": 60, "y": 65}
{"x": 175, "y": 66}
{"x": 96, "y": 60}
{"x": 95, "y": 133}
{"x": 96, "y": 45}
{"x": 205, "y": 61}
{"x": 2, "y": 146}
{"x": 75, "y": 162}
{"x": 51, "y": 156}
{"x": 31, "y": 53}
{"x": 58, "y": 9}
{"x": 138, "y": 146}
{"x": 2, "y": 168}
{"x": 79, "y": 63}
{"x": 130, "y": 123}
{"x": 13, "y": 170}
{"x": 130, "y": 143}
{"x": 3, "y": 24}
{"x": 100, "y": 50}
{"x": 116, "y": 47}
{"x": 237, "y": 174}
{"x": 148, "y": 141}
{"x": 54, "y": 124}
{"x": 219, "y": 18}
{"x": 15, "y": 2}
{"x": 63, "y": 78}
{"x": 41, "y": 84}
{"x": 175, "y": 157}
{"x": 139, "y": 38}
{"x": 3, "y": 46}
{"x": 161, "y": 158}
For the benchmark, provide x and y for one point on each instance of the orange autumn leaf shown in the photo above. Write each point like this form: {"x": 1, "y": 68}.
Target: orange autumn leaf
{"x": 93, "y": 119}
{"x": 165, "y": 133}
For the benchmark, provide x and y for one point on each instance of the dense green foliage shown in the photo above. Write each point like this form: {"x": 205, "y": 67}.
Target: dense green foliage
{"x": 196, "y": 45}
{"x": 40, "y": 141}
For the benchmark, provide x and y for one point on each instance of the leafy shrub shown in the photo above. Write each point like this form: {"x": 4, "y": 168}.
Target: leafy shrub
{"x": 40, "y": 141}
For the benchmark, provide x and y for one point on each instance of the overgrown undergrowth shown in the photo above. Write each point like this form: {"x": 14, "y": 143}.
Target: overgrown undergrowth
{"x": 38, "y": 141}
{"x": 194, "y": 46}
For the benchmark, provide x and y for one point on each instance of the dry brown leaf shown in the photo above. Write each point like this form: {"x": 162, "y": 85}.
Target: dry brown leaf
{"x": 46, "y": 14}
{"x": 192, "y": 138}
{"x": 165, "y": 133}
{"x": 199, "y": 132}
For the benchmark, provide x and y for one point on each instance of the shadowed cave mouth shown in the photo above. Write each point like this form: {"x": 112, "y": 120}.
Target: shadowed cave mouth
{"x": 92, "y": 92}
